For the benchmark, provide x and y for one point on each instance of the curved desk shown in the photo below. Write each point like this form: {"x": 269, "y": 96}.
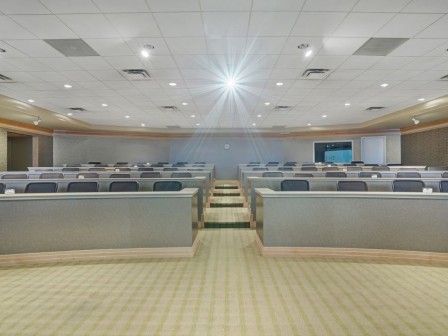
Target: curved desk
{"x": 92, "y": 226}
{"x": 353, "y": 224}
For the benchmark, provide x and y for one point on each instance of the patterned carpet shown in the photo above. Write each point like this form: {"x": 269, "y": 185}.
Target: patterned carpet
{"x": 227, "y": 289}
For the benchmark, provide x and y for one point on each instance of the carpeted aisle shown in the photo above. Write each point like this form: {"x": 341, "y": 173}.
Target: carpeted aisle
{"x": 227, "y": 289}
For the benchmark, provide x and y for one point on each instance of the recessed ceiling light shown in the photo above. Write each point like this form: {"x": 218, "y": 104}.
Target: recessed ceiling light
{"x": 145, "y": 53}
{"x": 309, "y": 124}
{"x": 308, "y": 53}
{"x": 258, "y": 115}
{"x": 421, "y": 99}
{"x": 69, "y": 114}
{"x": 127, "y": 117}
{"x": 324, "y": 115}
{"x": 384, "y": 85}
{"x": 143, "y": 125}
{"x": 193, "y": 116}
{"x": 198, "y": 124}
{"x": 184, "y": 104}
{"x": 267, "y": 103}
{"x": 68, "y": 86}
{"x": 347, "y": 104}
{"x": 104, "y": 105}
{"x": 230, "y": 83}
{"x": 279, "y": 84}
{"x": 254, "y": 124}
{"x": 30, "y": 101}
{"x": 172, "y": 84}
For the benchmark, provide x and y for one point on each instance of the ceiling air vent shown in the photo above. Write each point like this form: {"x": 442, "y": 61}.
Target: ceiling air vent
{"x": 316, "y": 73}
{"x": 173, "y": 127}
{"x": 441, "y": 78}
{"x": 78, "y": 109}
{"x": 5, "y": 79}
{"x": 136, "y": 74}
{"x": 169, "y": 108}
{"x": 282, "y": 108}
{"x": 374, "y": 108}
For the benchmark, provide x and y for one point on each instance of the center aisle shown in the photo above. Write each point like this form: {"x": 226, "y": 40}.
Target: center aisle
{"x": 227, "y": 207}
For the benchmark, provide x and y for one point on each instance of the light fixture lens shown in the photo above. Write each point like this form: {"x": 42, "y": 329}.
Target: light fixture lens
{"x": 145, "y": 53}
{"x": 347, "y": 104}
{"x": 309, "y": 124}
{"x": 104, "y": 105}
{"x": 421, "y": 99}
{"x": 254, "y": 124}
{"x": 68, "y": 86}
{"x": 267, "y": 103}
{"x": 198, "y": 124}
{"x": 384, "y": 85}
{"x": 127, "y": 117}
{"x": 279, "y": 84}
{"x": 184, "y": 104}
{"x": 230, "y": 83}
{"x": 324, "y": 116}
{"x": 69, "y": 114}
{"x": 308, "y": 53}
{"x": 143, "y": 125}
{"x": 193, "y": 116}
{"x": 30, "y": 101}
{"x": 172, "y": 84}
{"x": 258, "y": 115}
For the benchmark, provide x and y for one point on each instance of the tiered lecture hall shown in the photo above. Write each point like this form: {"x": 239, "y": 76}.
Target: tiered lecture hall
{"x": 223, "y": 167}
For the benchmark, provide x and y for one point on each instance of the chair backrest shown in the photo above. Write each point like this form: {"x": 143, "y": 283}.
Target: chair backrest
{"x": 309, "y": 168}
{"x": 252, "y": 165}
{"x": 357, "y": 162}
{"x": 167, "y": 186}
{"x": 74, "y": 165}
{"x": 146, "y": 169}
{"x": 354, "y": 168}
{"x": 51, "y": 175}
{"x": 290, "y": 164}
{"x": 151, "y": 175}
{"x": 254, "y": 162}
{"x": 330, "y": 169}
{"x": 443, "y": 186}
{"x": 100, "y": 165}
{"x": 94, "y": 162}
{"x": 369, "y": 174}
{"x": 382, "y": 168}
{"x": 170, "y": 169}
{"x": 260, "y": 169}
{"x": 352, "y": 186}
{"x": 445, "y": 175}
{"x": 272, "y": 174}
{"x": 178, "y": 165}
{"x": 408, "y": 186}
{"x": 157, "y": 165}
{"x": 179, "y": 175}
{"x": 408, "y": 175}
{"x": 441, "y": 168}
{"x": 163, "y": 162}
{"x": 88, "y": 175}
{"x": 335, "y": 174}
{"x": 371, "y": 164}
{"x": 273, "y": 162}
{"x": 123, "y": 186}
{"x": 15, "y": 176}
{"x": 123, "y": 169}
{"x": 182, "y": 162}
{"x": 285, "y": 168}
{"x": 97, "y": 169}
{"x": 120, "y": 175}
{"x": 200, "y": 162}
{"x": 41, "y": 187}
{"x": 199, "y": 165}
{"x": 70, "y": 169}
{"x": 295, "y": 185}
{"x": 82, "y": 187}
{"x": 2, "y": 188}
{"x": 122, "y": 163}
{"x": 303, "y": 175}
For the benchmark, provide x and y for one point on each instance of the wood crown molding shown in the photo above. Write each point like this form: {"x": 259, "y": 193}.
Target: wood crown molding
{"x": 428, "y": 126}
{"x": 16, "y": 126}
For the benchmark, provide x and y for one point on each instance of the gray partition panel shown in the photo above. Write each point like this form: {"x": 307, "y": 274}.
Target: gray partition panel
{"x": 86, "y": 221}
{"x": 396, "y": 221}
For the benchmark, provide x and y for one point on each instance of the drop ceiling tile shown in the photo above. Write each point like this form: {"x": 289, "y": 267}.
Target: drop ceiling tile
{"x": 134, "y": 25}
{"x": 329, "y": 5}
{"x": 70, "y": 6}
{"x": 110, "y": 47}
{"x": 265, "y": 45}
{"x": 11, "y": 30}
{"x": 391, "y": 62}
{"x": 27, "y": 64}
{"x": 10, "y": 51}
{"x": 49, "y": 76}
{"x": 217, "y": 23}
{"x": 7, "y": 67}
{"x": 424, "y": 63}
{"x": 272, "y": 23}
{"x": 286, "y": 73}
{"x": 21, "y": 76}
{"x": 402, "y": 75}
{"x": 120, "y": 6}
{"x": 362, "y": 24}
{"x": 44, "y": 26}
{"x": 35, "y": 48}
{"x": 191, "y": 61}
{"x": 159, "y": 62}
{"x": 174, "y": 5}
{"x": 407, "y": 25}
{"x": 417, "y": 47}
{"x": 341, "y": 46}
{"x": 360, "y": 62}
{"x": 379, "y": 6}
{"x": 89, "y": 25}
{"x": 125, "y": 62}
{"x": 438, "y": 29}
{"x": 226, "y": 45}
{"x": 166, "y": 74}
{"x": 317, "y": 23}
{"x": 186, "y": 45}
{"x": 59, "y": 63}
{"x": 326, "y": 62}
{"x": 277, "y": 5}
{"x": 180, "y": 24}
{"x": 228, "y": 5}
{"x": 292, "y": 43}
{"x": 373, "y": 75}
{"x": 292, "y": 62}
{"x": 78, "y": 76}
{"x": 22, "y": 7}
{"x": 137, "y": 44}
{"x": 427, "y": 6}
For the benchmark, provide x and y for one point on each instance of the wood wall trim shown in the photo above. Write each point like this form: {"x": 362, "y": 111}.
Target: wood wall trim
{"x": 350, "y": 253}
{"x": 96, "y": 255}
{"x": 428, "y": 126}
{"x": 16, "y": 126}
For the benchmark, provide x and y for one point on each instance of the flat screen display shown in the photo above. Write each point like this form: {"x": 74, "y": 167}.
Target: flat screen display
{"x": 333, "y": 152}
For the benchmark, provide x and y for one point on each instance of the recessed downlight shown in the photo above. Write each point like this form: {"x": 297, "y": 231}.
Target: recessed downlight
{"x": 308, "y": 53}
{"x": 143, "y": 125}
{"x": 267, "y": 103}
{"x": 198, "y": 124}
{"x": 104, "y": 105}
{"x": 144, "y": 53}
{"x": 230, "y": 83}
{"x": 384, "y": 85}
{"x": 193, "y": 116}
{"x": 259, "y": 115}
{"x": 68, "y": 86}
{"x": 172, "y": 84}
{"x": 309, "y": 124}
{"x": 324, "y": 116}
{"x": 279, "y": 84}
{"x": 184, "y": 104}
{"x": 127, "y": 117}
{"x": 69, "y": 114}
{"x": 30, "y": 100}
{"x": 254, "y": 124}
{"x": 421, "y": 99}
{"x": 347, "y": 104}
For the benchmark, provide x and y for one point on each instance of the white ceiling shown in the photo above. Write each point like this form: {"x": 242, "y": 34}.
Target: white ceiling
{"x": 199, "y": 44}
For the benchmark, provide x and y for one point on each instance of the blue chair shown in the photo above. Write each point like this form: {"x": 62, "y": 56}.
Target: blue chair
{"x": 167, "y": 186}
{"x": 352, "y": 186}
{"x": 295, "y": 185}
{"x": 41, "y": 187}
{"x": 408, "y": 186}
{"x": 124, "y": 186}
{"x": 82, "y": 187}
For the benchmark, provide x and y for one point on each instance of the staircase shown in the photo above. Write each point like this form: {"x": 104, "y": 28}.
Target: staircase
{"x": 227, "y": 207}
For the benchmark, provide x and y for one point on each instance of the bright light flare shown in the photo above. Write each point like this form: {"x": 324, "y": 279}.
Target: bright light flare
{"x": 230, "y": 83}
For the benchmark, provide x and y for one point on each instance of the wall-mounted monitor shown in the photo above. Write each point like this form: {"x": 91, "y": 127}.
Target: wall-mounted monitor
{"x": 333, "y": 151}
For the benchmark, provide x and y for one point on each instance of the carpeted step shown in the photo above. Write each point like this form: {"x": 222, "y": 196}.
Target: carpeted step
{"x": 227, "y": 218}
{"x": 226, "y": 192}
{"x": 227, "y": 202}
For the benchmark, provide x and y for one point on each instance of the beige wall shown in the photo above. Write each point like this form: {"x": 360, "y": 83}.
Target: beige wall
{"x": 3, "y": 149}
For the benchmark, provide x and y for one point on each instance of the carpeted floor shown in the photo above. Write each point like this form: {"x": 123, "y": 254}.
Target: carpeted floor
{"x": 227, "y": 289}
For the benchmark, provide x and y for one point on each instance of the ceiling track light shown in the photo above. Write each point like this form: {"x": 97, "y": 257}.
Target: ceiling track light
{"x": 37, "y": 121}
{"x": 415, "y": 120}
{"x": 146, "y": 50}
